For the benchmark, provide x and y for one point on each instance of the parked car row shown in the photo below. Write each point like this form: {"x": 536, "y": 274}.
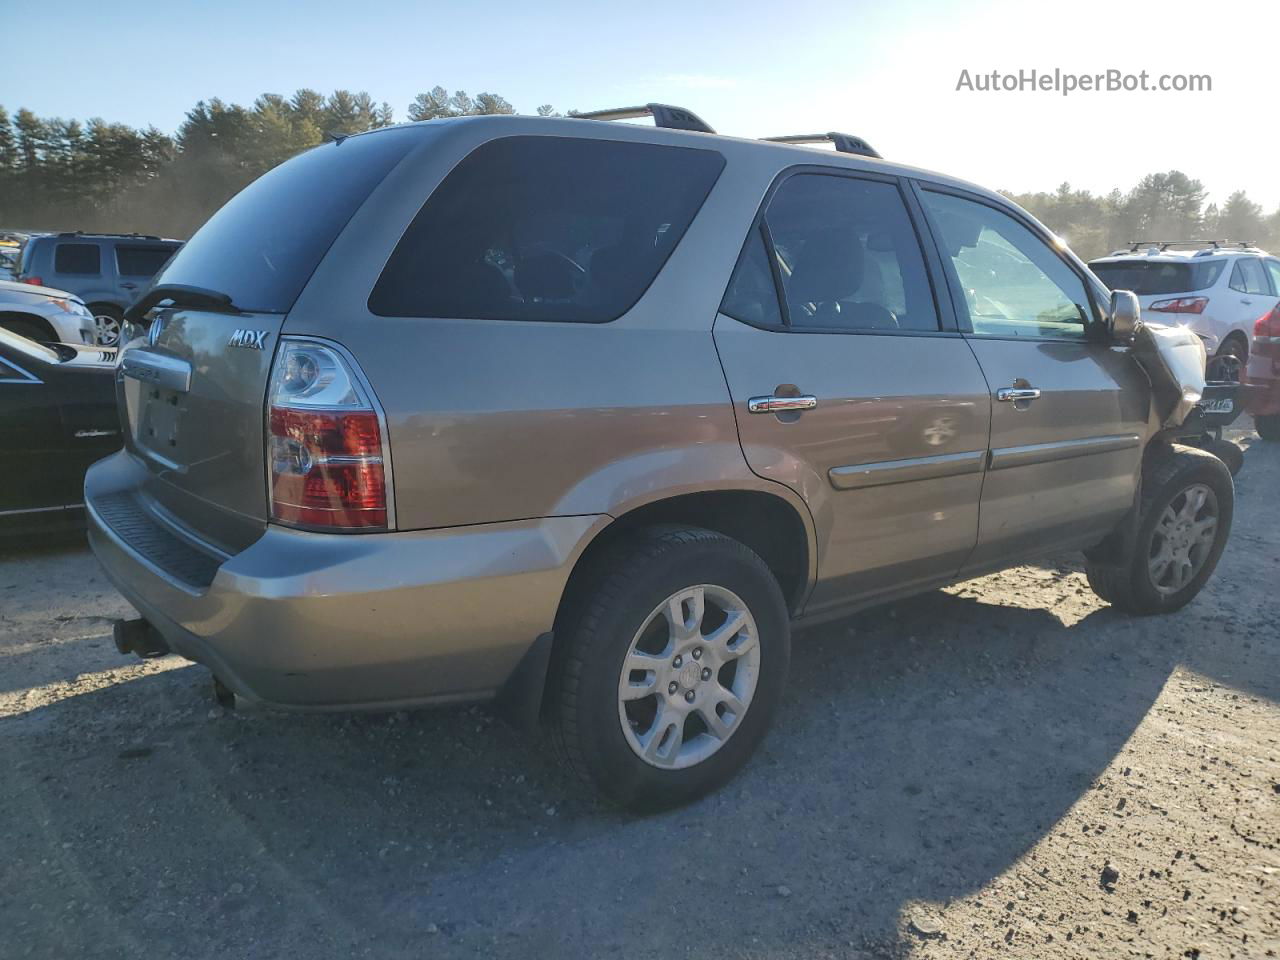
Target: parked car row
{"x": 100, "y": 271}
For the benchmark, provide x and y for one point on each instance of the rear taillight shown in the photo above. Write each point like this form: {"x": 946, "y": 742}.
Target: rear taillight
{"x": 1267, "y": 329}
{"x": 324, "y": 442}
{"x": 1180, "y": 305}
{"x": 34, "y": 281}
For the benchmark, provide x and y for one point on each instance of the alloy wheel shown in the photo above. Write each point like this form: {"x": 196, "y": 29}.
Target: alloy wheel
{"x": 1183, "y": 538}
{"x": 689, "y": 676}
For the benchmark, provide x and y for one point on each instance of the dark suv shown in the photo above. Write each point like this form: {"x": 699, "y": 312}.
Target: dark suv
{"x": 105, "y": 270}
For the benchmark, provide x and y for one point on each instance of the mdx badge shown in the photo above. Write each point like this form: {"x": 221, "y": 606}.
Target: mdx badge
{"x": 252, "y": 339}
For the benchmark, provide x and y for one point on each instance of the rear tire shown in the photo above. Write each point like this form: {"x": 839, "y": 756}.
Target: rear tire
{"x": 1186, "y": 509}
{"x": 1235, "y": 346}
{"x": 1268, "y": 427}
{"x": 657, "y": 698}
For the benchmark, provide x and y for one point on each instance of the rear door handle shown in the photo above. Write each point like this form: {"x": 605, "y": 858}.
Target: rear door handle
{"x": 780, "y": 404}
{"x": 1010, "y": 394}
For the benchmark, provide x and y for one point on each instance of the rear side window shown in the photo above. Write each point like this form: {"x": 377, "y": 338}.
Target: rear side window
{"x": 1151, "y": 277}
{"x": 141, "y": 261}
{"x": 82, "y": 259}
{"x": 261, "y": 248}
{"x": 1247, "y": 277}
{"x": 546, "y": 228}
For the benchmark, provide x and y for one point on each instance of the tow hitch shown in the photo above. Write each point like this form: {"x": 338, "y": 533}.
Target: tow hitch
{"x": 139, "y": 637}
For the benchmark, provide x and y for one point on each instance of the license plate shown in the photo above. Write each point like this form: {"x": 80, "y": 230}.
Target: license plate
{"x": 158, "y": 425}
{"x": 1223, "y": 405}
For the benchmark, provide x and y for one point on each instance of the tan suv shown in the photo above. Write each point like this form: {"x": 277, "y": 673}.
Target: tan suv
{"x": 585, "y": 416}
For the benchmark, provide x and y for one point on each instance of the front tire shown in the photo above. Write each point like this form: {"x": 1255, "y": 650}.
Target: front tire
{"x": 1186, "y": 508}
{"x": 108, "y": 320}
{"x": 672, "y": 661}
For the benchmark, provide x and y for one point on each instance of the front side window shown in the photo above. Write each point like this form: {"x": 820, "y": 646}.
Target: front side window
{"x": 546, "y": 228}
{"x": 141, "y": 261}
{"x": 1273, "y": 268}
{"x": 80, "y": 259}
{"x": 1014, "y": 284}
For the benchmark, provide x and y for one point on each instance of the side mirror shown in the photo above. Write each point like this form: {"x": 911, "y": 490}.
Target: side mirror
{"x": 1125, "y": 316}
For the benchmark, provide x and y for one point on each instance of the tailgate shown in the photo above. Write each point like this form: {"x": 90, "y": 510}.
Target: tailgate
{"x": 192, "y": 401}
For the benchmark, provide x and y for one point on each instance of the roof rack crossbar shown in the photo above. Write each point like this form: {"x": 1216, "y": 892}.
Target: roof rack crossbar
{"x": 1166, "y": 244}
{"x": 664, "y": 115}
{"x": 844, "y": 142}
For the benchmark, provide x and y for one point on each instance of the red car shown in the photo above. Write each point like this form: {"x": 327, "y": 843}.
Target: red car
{"x": 1262, "y": 398}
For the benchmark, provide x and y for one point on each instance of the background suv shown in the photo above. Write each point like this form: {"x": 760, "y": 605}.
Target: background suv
{"x": 1220, "y": 291}
{"x": 105, "y": 270}
{"x": 582, "y": 416}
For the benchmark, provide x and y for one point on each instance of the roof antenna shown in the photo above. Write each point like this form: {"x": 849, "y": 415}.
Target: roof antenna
{"x": 333, "y": 136}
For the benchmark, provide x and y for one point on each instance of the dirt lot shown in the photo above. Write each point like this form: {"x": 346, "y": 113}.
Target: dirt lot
{"x": 948, "y": 778}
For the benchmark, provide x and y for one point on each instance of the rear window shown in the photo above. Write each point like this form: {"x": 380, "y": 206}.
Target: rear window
{"x": 546, "y": 228}
{"x": 1147, "y": 277}
{"x": 263, "y": 245}
{"x": 83, "y": 259}
{"x": 142, "y": 261}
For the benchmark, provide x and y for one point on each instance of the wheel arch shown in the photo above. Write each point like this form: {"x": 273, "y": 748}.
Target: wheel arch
{"x": 32, "y": 318}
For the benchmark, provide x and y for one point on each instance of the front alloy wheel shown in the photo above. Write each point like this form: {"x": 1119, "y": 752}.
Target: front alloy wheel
{"x": 1183, "y": 539}
{"x": 106, "y": 330}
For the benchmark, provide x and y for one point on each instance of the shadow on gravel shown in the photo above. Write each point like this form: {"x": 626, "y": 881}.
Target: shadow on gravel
{"x": 920, "y": 751}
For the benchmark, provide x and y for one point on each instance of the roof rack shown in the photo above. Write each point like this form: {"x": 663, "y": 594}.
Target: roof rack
{"x": 664, "y": 115}
{"x": 1163, "y": 245}
{"x": 94, "y": 233}
{"x": 844, "y": 142}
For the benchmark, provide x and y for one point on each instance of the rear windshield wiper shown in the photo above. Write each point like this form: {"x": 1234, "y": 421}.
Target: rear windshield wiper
{"x": 181, "y": 295}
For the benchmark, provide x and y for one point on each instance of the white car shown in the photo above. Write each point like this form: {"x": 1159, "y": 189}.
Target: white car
{"x": 44, "y": 314}
{"x": 1219, "y": 290}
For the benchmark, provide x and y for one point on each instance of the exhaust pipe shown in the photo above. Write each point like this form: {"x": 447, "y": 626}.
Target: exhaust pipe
{"x": 138, "y": 637}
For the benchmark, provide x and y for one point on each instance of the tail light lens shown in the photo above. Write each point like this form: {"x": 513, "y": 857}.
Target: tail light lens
{"x": 324, "y": 443}
{"x": 34, "y": 281}
{"x": 1180, "y": 305}
{"x": 1267, "y": 329}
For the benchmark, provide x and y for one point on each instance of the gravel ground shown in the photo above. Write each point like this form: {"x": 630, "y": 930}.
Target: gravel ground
{"x": 1002, "y": 768}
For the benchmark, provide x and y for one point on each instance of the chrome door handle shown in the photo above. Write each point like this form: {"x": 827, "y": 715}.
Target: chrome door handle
{"x": 1246, "y": 302}
{"x": 780, "y": 404}
{"x": 1018, "y": 393}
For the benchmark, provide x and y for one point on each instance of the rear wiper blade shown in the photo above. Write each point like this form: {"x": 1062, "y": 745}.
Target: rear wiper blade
{"x": 181, "y": 295}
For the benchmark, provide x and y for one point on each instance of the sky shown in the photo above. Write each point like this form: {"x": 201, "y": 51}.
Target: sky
{"x": 887, "y": 71}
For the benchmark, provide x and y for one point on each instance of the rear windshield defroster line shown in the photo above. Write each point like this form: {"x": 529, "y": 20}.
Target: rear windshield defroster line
{"x": 263, "y": 245}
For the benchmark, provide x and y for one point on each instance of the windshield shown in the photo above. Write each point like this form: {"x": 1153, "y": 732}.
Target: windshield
{"x": 263, "y": 245}
{"x": 1147, "y": 277}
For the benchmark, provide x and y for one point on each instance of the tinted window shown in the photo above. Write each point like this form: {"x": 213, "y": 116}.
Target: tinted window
{"x": 263, "y": 245}
{"x": 546, "y": 228}
{"x": 78, "y": 258}
{"x": 141, "y": 261}
{"x": 752, "y": 295}
{"x": 848, "y": 256}
{"x": 1014, "y": 284}
{"x": 1148, "y": 277}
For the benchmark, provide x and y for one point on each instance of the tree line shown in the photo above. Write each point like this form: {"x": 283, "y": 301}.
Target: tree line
{"x": 60, "y": 174}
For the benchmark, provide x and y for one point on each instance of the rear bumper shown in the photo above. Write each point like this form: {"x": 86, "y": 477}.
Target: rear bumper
{"x": 346, "y": 621}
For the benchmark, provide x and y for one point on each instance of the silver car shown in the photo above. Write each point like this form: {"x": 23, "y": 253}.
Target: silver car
{"x": 44, "y": 314}
{"x": 583, "y": 417}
